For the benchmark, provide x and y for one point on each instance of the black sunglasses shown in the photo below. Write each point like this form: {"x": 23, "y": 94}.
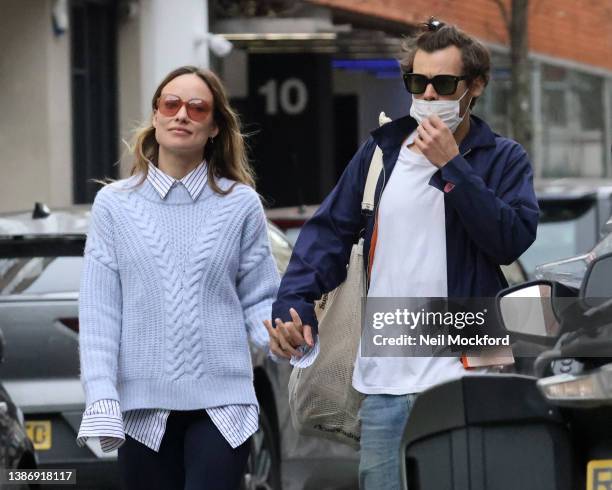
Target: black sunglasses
{"x": 443, "y": 84}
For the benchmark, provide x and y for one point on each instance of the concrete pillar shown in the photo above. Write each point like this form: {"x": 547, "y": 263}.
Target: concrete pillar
{"x": 169, "y": 37}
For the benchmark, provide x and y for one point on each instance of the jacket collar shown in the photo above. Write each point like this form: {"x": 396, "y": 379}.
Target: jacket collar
{"x": 391, "y": 135}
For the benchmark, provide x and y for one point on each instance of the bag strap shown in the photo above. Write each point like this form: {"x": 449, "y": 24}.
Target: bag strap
{"x": 376, "y": 166}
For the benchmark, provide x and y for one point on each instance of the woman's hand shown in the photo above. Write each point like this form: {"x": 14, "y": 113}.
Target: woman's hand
{"x": 287, "y": 336}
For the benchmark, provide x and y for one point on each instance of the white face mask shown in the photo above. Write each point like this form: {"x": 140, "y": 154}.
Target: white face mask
{"x": 447, "y": 110}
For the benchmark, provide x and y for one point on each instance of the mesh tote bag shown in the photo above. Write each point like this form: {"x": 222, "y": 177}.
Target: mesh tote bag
{"x": 322, "y": 400}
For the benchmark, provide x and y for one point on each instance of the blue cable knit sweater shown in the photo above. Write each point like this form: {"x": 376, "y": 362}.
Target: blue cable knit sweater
{"x": 168, "y": 292}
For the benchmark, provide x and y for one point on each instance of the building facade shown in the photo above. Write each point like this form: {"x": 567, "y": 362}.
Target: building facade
{"x": 570, "y": 44}
{"x": 308, "y": 77}
{"x": 77, "y": 77}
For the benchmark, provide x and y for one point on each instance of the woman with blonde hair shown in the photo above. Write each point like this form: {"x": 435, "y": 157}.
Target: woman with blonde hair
{"x": 177, "y": 275}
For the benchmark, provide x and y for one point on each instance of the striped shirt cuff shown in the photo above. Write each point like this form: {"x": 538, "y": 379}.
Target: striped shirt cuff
{"x": 235, "y": 422}
{"x": 103, "y": 419}
{"x": 309, "y": 355}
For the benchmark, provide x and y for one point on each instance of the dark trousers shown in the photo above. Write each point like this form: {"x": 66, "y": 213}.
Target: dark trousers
{"x": 193, "y": 455}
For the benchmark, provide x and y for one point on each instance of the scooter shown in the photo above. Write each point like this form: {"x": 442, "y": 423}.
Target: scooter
{"x": 548, "y": 426}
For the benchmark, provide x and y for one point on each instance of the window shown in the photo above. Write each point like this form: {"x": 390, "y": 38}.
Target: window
{"x": 41, "y": 265}
{"x": 494, "y": 105}
{"x": 39, "y": 275}
{"x": 567, "y": 227}
{"x": 281, "y": 248}
{"x": 573, "y": 138}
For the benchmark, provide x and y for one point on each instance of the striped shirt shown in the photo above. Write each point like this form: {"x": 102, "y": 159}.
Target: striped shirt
{"x": 104, "y": 419}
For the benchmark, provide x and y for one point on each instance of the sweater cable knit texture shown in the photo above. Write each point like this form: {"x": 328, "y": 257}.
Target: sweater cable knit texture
{"x": 169, "y": 290}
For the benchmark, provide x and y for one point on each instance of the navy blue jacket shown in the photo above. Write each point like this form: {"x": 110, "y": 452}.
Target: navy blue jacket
{"x": 491, "y": 218}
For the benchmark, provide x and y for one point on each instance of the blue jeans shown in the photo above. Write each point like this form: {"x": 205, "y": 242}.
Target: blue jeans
{"x": 383, "y": 420}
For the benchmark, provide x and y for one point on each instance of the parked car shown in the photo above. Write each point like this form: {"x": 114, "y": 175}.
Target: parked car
{"x": 16, "y": 449}
{"x": 572, "y": 215}
{"x": 40, "y": 266}
{"x": 291, "y": 219}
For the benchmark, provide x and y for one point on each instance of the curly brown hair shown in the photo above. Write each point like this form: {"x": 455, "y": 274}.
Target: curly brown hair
{"x": 436, "y": 35}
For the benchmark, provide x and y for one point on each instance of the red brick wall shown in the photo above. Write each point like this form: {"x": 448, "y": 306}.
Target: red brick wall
{"x": 578, "y": 30}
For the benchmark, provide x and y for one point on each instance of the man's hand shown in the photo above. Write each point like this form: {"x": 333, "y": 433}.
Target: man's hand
{"x": 287, "y": 336}
{"x": 436, "y": 141}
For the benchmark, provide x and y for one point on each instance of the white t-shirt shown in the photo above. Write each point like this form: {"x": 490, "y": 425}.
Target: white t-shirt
{"x": 409, "y": 262}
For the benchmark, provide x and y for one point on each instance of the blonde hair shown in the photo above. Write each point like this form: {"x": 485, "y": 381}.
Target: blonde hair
{"x": 226, "y": 155}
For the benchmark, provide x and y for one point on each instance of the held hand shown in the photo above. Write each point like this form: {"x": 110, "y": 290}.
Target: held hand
{"x": 275, "y": 345}
{"x": 288, "y": 335}
{"x": 305, "y": 330}
{"x": 436, "y": 141}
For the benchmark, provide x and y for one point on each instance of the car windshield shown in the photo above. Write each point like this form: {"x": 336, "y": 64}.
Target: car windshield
{"x": 52, "y": 265}
{"x": 40, "y": 266}
{"x": 39, "y": 275}
{"x": 567, "y": 228}
{"x": 281, "y": 248}
{"x": 571, "y": 271}
{"x": 603, "y": 247}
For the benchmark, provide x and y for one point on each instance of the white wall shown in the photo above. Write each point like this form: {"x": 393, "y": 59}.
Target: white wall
{"x": 375, "y": 95}
{"x": 156, "y": 39}
{"x": 35, "y": 128}
{"x": 59, "y": 121}
{"x": 167, "y": 34}
{"x": 129, "y": 79}
{"x": 35, "y": 141}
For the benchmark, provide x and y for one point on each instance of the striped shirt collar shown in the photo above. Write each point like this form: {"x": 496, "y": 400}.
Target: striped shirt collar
{"x": 194, "y": 181}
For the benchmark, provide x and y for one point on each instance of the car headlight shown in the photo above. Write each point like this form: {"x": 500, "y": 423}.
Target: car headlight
{"x": 594, "y": 387}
